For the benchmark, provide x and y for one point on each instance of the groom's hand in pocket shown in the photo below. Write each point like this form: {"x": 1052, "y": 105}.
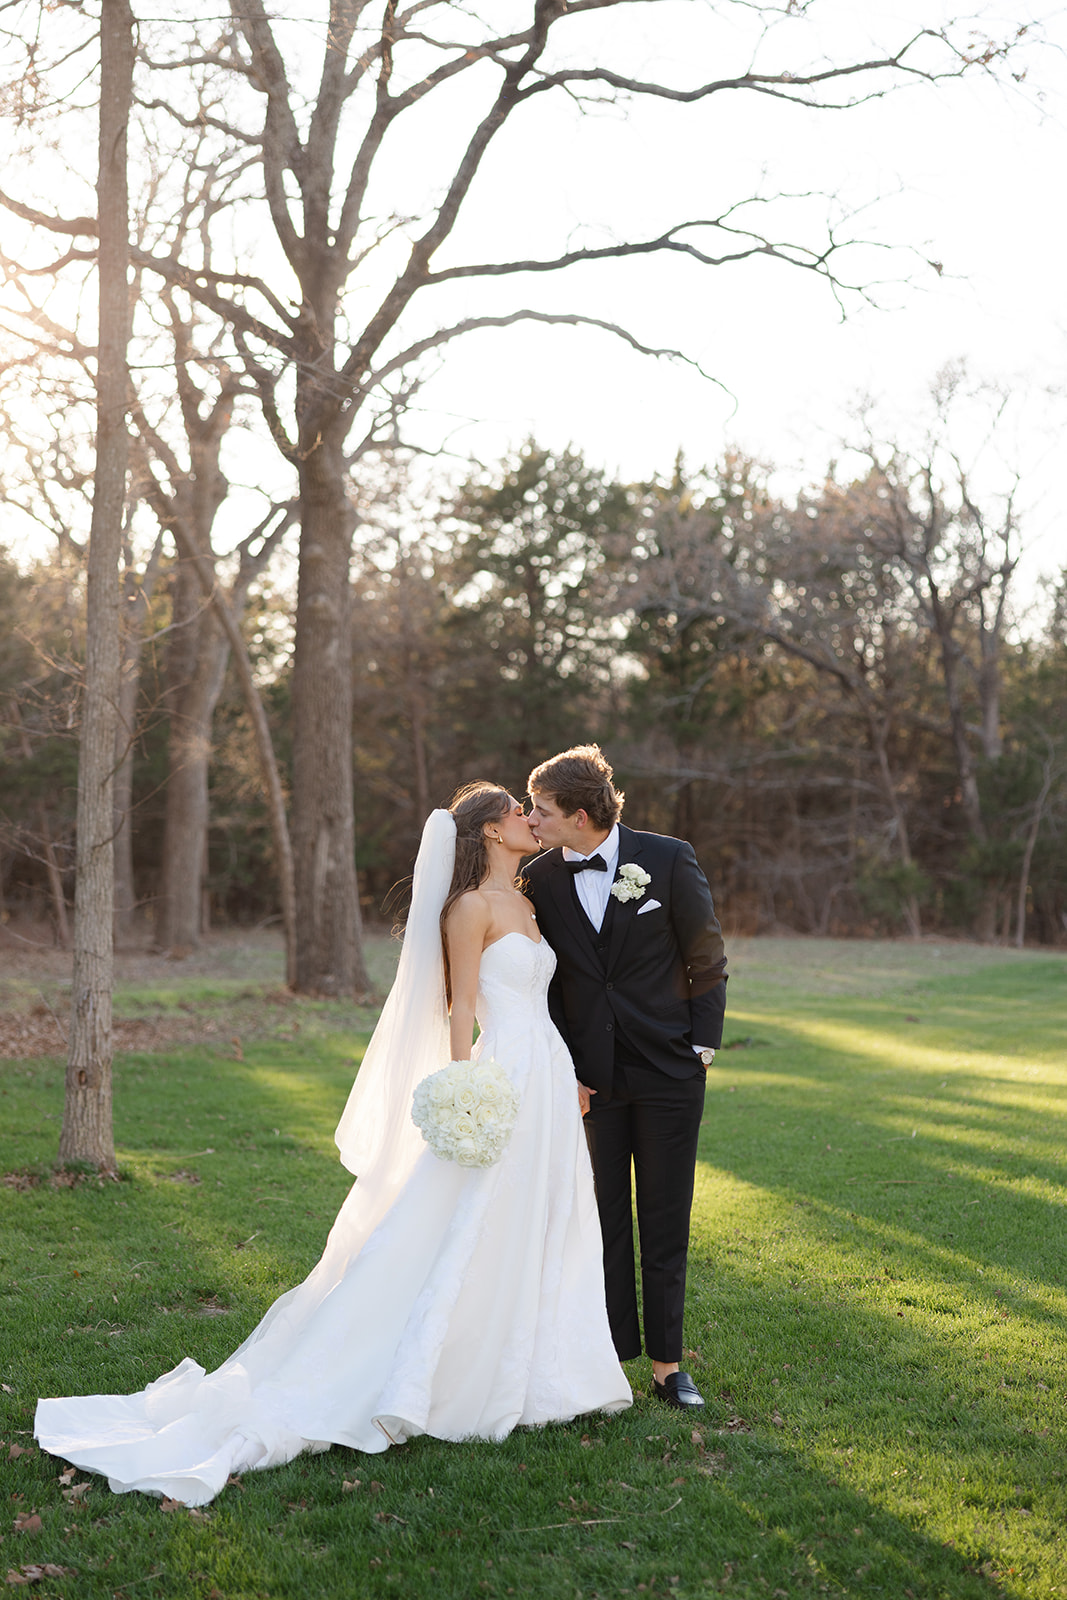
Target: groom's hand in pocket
{"x": 584, "y": 1097}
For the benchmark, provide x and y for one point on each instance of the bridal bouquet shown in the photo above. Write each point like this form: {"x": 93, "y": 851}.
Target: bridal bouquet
{"x": 466, "y": 1112}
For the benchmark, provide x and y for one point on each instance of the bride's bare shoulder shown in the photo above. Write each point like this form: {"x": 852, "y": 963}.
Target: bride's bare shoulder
{"x": 470, "y": 913}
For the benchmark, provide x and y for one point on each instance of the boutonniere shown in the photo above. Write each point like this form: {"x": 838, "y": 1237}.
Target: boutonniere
{"x": 631, "y": 882}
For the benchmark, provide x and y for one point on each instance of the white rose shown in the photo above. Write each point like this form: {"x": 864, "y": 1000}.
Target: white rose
{"x": 466, "y": 1111}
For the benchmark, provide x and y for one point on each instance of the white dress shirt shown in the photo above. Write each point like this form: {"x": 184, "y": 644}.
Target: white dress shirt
{"x": 594, "y": 888}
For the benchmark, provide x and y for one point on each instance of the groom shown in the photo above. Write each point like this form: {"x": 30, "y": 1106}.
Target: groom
{"x": 638, "y": 995}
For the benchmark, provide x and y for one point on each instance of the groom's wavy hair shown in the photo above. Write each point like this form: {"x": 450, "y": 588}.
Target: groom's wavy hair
{"x": 579, "y": 779}
{"x": 472, "y": 807}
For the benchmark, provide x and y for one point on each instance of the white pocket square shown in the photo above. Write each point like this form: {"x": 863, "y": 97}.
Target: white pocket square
{"x": 649, "y": 905}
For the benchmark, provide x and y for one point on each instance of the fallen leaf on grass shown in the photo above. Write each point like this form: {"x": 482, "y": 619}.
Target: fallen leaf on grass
{"x": 28, "y": 1522}
{"x": 198, "y": 1516}
{"x": 736, "y": 1425}
{"x": 20, "y": 1450}
{"x": 376, "y": 1487}
{"x": 234, "y": 1482}
{"x": 388, "y": 1516}
{"x": 76, "y": 1493}
{"x": 7, "y": 1388}
{"x": 34, "y": 1573}
{"x": 696, "y": 1437}
{"x": 777, "y": 1419}
{"x": 171, "y": 1505}
{"x": 68, "y": 1476}
{"x": 347, "y": 1487}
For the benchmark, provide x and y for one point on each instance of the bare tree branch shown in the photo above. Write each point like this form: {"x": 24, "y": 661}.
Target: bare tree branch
{"x": 203, "y": 119}
{"x": 780, "y": 85}
{"x": 571, "y": 319}
{"x": 200, "y": 285}
{"x": 84, "y": 227}
{"x": 795, "y": 255}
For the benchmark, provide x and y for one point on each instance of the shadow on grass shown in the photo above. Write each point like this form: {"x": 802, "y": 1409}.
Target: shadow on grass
{"x": 588, "y": 1509}
{"x": 875, "y": 1349}
{"x": 867, "y": 1105}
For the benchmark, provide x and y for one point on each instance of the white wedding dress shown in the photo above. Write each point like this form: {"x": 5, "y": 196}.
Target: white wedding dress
{"x": 473, "y": 1304}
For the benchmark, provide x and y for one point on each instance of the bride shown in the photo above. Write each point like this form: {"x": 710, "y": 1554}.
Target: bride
{"x": 450, "y": 1301}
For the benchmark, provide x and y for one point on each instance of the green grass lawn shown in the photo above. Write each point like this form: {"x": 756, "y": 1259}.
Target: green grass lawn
{"x": 877, "y": 1315}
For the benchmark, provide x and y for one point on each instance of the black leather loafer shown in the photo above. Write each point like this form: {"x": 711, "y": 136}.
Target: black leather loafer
{"x": 679, "y": 1390}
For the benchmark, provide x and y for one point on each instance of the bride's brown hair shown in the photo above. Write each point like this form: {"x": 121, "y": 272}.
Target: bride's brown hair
{"x": 472, "y": 807}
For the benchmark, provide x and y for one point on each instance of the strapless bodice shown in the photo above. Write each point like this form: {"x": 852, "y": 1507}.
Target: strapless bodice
{"x": 513, "y": 977}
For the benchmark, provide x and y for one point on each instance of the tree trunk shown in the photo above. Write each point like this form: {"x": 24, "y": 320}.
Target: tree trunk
{"x": 329, "y": 955}
{"x": 185, "y": 831}
{"x": 87, "y": 1127}
{"x": 125, "y": 899}
{"x": 879, "y": 731}
{"x": 197, "y": 667}
{"x": 966, "y": 769}
{"x": 205, "y": 572}
{"x": 1028, "y": 852}
{"x": 55, "y": 880}
{"x": 961, "y": 745}
{"x": 136, "y": 600}
{"x": 989, "y": 697}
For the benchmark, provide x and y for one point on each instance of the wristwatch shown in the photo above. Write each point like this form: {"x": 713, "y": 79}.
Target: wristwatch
{"x": 707, "y": 1057}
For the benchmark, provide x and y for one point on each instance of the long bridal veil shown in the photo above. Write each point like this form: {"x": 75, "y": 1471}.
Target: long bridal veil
{"x": 376, "y": 1136}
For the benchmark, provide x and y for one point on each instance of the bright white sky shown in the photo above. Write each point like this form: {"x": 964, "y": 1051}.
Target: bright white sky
{"x": 972, "y": 175}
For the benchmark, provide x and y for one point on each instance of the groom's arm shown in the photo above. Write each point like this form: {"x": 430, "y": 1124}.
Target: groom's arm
{"x": 699, "y": 936}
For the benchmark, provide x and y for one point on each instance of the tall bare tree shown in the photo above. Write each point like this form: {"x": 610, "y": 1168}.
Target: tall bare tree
{"x": 87, "y": 1128}
{"x": 323, "y": 148}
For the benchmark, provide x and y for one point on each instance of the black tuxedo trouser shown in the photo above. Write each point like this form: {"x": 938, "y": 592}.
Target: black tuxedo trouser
{"x": 653, "y": 1122}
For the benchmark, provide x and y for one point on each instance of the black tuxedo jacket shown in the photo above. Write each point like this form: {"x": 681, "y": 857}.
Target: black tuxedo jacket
{"x": 653, "y": 979}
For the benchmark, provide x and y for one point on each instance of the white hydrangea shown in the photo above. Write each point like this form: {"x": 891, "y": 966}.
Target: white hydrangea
{"x": 466, "y": 1112}
{"x": 631, "y": 882}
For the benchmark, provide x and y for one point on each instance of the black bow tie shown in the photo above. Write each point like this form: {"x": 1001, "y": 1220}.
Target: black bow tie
{"x": 590, "y": 864}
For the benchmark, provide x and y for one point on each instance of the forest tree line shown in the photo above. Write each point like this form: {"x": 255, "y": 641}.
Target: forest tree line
{"x": 250, "y": 296}
{"x": 836, "y": 697}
